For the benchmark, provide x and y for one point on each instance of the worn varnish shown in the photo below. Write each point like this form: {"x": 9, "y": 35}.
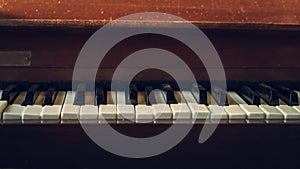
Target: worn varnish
{"x": 220, "y": 11}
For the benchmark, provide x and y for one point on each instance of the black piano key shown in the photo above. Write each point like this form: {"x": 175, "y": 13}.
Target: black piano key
{"x": 268, "y": 93}
{"x": 10, "y": 93}
{"x": 148, "y": 90}
{"x": 31, "y": 95}
{"x": 169, "y": 93}
{"x": 249, "y": 96}
{"x": 133, "y": 94}
{"x": 220, "y": 96}
{"x": 289, "y": 96}
{"x": 50, "y": 97}
{"x": 100, "y": 96}
{"x": 80, "y": 94}
{"x": 200, "y": 93}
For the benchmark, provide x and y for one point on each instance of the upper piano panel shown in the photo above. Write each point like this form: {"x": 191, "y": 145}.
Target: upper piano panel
{"x": 256, "y": 40}
{"x": 206, "y": 13}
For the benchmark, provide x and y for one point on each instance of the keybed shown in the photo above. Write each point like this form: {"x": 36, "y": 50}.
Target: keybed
{"x": 150, "y": 105}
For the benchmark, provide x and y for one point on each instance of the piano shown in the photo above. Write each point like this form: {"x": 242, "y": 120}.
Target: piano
{"x": 42, "y": 111}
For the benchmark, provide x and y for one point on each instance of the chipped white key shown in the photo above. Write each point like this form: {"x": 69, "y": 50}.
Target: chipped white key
{"x": 253, "y": 112}
{"x": 272, "y": 113}
{"x": 125, "y": 112}
{"x": 88, "y": 112}
{"x": 162, "y": 112}
{"x": 217, "y": 112}
{"x": 181, "y": 111}
{"x": 289, "y": 112}
{"x": 235, "y": 112}
{"x": 13, "y": 112}
{"x": 199, "y": 111}
{"x": 32, "y": 112}
{"x": 108, "y": 112}
{"x": 69, "y": 112}
{"x": 51, "y": 112}
{"x": 144, "y": 113}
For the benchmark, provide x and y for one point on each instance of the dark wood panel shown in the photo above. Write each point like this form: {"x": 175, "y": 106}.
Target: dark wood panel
{"x": 231, "y": 146}
{"x": 237, "y": 49}
{"x": 46, "y": 75}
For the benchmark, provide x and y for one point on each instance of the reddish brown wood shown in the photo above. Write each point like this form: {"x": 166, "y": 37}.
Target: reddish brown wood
{"x": 247, "y": 52}
{"x": 219, "y": 11}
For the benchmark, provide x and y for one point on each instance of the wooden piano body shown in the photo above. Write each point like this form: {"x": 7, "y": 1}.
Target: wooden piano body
{"x": 258, "y": 41}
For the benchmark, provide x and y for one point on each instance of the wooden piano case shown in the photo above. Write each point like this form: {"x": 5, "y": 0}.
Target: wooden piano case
{"x": 256, "y": 41}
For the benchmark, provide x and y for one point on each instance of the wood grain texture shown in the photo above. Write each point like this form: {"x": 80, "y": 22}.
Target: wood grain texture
{"x": 217, "y": 11}
{"x": 246, "y": 55}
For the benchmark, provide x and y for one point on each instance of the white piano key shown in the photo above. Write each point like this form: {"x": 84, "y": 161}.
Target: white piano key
{"x": 70, "y": 97}
{"x": 3, "y": 105}
{"x": 272, "y": 113}
{"x": 235, "y": 112}
{"x": 51, "y": 112}
{"x": 125, "y": 112}
{"x": 253, "y": 112}
{"x": 162, "y": 112}
{"x": 181, "y": 111}
{"x": 20, "y": 98}
{"x": 217, "y": 112}
{"x": 1, "y": 93}
{"x": 54, "y": 112}
{"x": 121, "y": 97}
{"x": 199, "y": 111}
{"x": 89, "y": 112}
{"x": 69, "y": 112}
{"x": 111, "y": 97}
{"x": 297, "y": 108}
{"x": 159, "y": 97}
{"x": 108, "y": 112}
{"x": 144, "y": 113}
{"x": 188, "y": 96}
{"x": 13, "y": 112}
{"x": 237, "y": 99}
{"x": 60, "y": 97}
{"x": 89, "y": 98}
{"x": 40, "y": 98}
{"x": 289, "y": 112}
{"x": 32, "y": 112}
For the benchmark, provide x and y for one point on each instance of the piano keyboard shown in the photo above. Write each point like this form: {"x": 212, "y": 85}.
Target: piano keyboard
{"x": 264, "y": 103}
